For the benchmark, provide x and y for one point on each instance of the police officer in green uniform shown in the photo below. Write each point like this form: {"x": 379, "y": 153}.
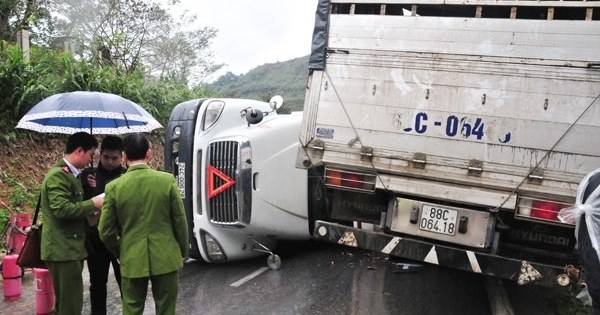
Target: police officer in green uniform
{"x": 143, "y": 223}
{"x": 63, "y": 234}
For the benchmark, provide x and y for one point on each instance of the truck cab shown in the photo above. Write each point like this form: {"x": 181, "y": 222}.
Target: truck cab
{"x": 234, "y": 161}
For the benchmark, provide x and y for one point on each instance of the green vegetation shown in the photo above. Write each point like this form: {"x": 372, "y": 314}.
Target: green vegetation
{"x": 287, "y": 79}
{"x": 24, "y": 83}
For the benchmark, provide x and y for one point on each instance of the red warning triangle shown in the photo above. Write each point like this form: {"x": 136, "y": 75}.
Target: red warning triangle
{"x": 215, "y": 186}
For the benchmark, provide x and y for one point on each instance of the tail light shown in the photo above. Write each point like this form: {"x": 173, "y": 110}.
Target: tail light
{"x": 540, "y": 209}
{"x": 545, "y": 210}
{"x": 351, "y": 180}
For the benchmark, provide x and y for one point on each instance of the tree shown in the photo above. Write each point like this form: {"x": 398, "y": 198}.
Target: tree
{"x": 138, "y": 35}
{"x": 16, "y": 15}
{"x": 184, "y": 57}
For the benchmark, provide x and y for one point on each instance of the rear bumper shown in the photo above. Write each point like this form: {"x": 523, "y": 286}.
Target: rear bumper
{"x": 520, "y": 271}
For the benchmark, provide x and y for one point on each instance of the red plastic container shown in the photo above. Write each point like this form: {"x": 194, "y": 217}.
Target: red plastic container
{"x": 44, "y": 292}
{"x": 18, "y": 236}
{"x": 11, "y": 273}
{"x": 17, "y": 240}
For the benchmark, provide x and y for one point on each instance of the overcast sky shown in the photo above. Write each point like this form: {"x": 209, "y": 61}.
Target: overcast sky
{"x": 252, "y": 33}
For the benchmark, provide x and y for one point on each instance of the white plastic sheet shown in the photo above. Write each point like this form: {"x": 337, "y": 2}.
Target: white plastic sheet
{"x": 591, "y": 210}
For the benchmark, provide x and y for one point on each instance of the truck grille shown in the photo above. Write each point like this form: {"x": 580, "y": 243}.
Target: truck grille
{"x": 228, "y": 197}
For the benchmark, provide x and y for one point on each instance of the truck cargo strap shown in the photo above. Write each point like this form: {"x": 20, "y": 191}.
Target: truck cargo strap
{"x": 521, "y": 271}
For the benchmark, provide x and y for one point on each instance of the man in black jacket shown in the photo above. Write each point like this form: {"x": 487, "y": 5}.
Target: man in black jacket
{"x": 591, "y": 264}
{"x": 93, "y": 180}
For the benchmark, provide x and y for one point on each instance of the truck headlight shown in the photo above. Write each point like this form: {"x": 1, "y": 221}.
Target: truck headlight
{"x": 212, "y": 113}
{"x": 177, "y": 131}
{"x": 213, "y": 248}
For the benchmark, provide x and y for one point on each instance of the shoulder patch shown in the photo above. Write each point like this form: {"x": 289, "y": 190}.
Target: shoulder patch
{"x": 66, "y": 169}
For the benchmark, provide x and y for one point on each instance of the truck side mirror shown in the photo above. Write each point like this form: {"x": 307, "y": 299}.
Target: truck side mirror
{"x": 276, "y": 102}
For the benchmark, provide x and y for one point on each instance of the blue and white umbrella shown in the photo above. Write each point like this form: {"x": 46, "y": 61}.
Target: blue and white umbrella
{"x": 93, "y": 112}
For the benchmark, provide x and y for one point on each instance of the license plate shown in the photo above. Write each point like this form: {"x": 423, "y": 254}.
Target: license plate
{"x": 438, "y": 220}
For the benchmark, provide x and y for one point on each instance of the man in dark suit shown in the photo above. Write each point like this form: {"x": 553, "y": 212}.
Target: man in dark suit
{"x": 64, "y": 212}
{"x": 99, "y": 260}
{"x": 143, "y": 223}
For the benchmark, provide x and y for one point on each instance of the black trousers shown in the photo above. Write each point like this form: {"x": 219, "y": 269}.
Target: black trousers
{"x": 99, "y": 261}
{"x": 591, "y": 265}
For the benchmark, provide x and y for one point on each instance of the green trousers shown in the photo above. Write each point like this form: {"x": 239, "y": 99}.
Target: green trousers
{"x": 164, "y": 291}
{"x": 68, "y": 286}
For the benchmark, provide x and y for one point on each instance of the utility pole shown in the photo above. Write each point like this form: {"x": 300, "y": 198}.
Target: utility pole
{"x": 23, "y": 42}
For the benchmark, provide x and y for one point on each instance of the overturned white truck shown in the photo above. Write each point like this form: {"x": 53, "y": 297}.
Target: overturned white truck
{"x": 452, "y": 132}
{"x": 234, "y": 162}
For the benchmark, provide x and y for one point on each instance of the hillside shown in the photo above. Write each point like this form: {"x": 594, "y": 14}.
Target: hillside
{"x": 287, "y": 79}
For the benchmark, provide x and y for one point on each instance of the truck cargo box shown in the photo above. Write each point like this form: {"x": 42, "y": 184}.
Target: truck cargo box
{"x": 486, "y": 111}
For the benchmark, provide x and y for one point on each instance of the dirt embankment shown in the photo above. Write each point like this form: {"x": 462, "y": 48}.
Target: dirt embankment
{"x": 25, "y": 160}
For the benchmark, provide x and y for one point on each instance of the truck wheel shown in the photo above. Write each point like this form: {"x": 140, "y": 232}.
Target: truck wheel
{"x": 274, "y": 262}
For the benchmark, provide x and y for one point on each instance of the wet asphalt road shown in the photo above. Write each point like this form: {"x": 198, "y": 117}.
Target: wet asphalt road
{"x": 319, "y": 278}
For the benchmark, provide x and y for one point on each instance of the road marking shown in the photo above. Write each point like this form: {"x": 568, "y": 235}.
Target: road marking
{"x": 249, "y": 277}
